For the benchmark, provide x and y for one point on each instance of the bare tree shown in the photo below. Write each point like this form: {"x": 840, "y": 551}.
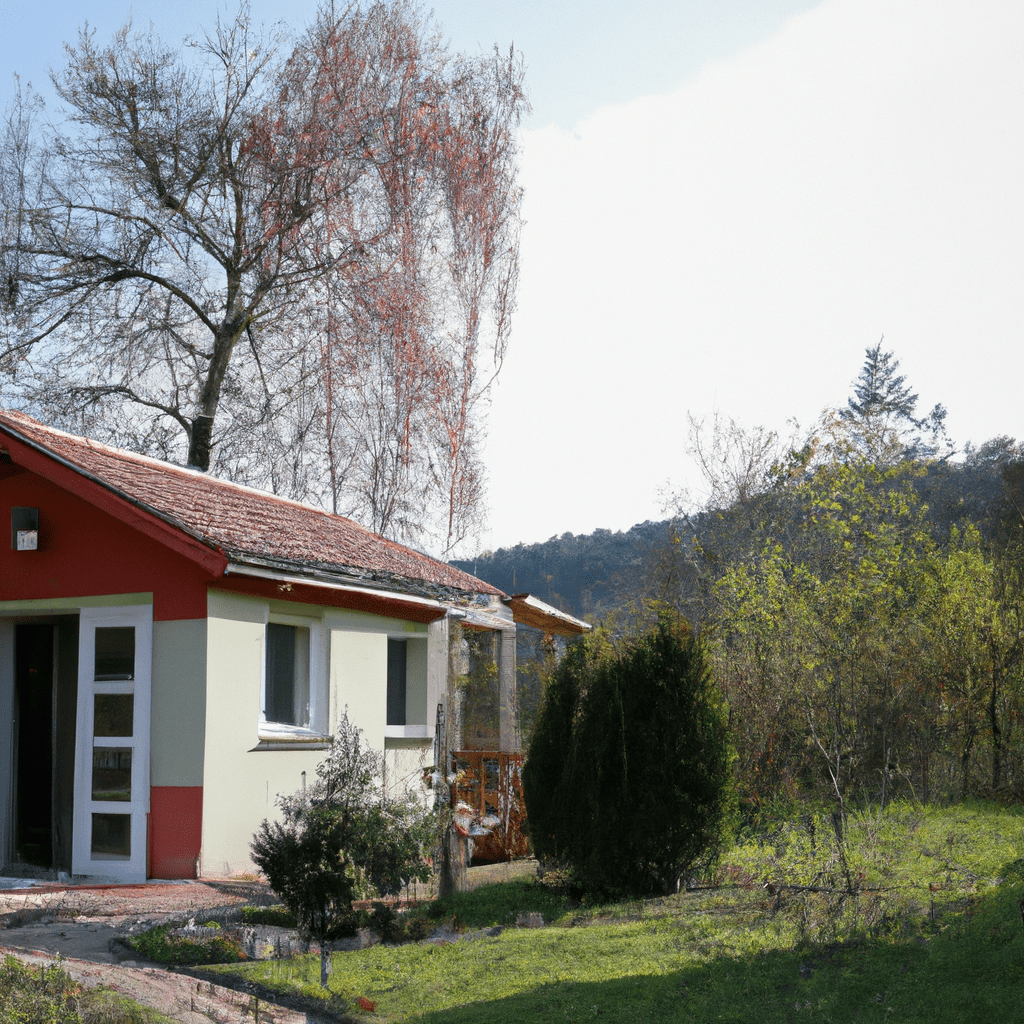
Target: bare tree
{"x": 737, "y": 463}
{"x": 285, "y": 270}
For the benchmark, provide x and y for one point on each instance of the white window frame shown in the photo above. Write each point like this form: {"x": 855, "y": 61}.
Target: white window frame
{"x": 411, "y": 730}
{"x": 318, "y": 729}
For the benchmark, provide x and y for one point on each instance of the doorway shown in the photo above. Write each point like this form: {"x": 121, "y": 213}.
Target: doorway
{"x": 33, "y": 722}
{"x": 43, "y": 743}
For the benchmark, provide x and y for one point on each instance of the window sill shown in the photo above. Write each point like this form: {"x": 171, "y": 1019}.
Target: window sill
{"x": 273, "y": 736}
{"x": 408, "y": 732}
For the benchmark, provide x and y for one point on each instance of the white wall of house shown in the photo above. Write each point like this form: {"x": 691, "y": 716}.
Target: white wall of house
{"x": 359, "y": 672}
{"x": 246, "y": 763}
{"x": 178, "y": 732}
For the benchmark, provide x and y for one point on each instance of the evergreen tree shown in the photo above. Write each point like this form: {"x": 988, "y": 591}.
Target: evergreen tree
{"x": 882, "y": 416}
{"x": 627, "y": 778}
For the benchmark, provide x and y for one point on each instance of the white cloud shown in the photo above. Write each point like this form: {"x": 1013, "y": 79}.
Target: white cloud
{"x": 739, "y": 242}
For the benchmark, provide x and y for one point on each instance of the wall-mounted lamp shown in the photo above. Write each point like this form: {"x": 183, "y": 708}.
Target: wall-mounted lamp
{"x": 24, "y": 528}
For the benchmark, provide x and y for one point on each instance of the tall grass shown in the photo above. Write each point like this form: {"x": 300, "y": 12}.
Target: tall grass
{"x": 49, "y": 995}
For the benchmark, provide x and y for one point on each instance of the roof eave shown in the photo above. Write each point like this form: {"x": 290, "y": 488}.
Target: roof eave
{"x": 165, "y": 529}
{"x": 369, "y": 597}
{"x": 528, "y": 610}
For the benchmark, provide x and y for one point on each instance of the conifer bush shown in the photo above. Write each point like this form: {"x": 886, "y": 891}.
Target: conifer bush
{"x": 627, "y": 779}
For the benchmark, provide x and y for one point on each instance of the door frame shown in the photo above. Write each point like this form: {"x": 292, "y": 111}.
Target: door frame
{"x": 84, "y": 861}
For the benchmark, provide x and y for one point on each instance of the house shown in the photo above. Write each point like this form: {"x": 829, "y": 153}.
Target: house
{"x": 175, "y": 648}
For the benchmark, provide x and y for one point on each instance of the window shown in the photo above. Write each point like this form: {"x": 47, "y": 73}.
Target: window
{"x": 397, "y": 652}
{"x": 293, "y": 703}
{"x": 286, "y": 680}
{"x": 407, "y": 713}
{"x": 115, "y": 653}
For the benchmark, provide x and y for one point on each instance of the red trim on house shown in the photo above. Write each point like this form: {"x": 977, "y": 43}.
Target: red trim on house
{"x": 391, "y": 608}
{"x": 174, "y": 537}
{"x": 85, "y": 551}
{"x": 175, "y": 830}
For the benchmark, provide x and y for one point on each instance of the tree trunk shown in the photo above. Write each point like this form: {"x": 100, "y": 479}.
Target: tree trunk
{"x": 325, "y": 962}
{"x": 997, "y": 732}
{"x": 201, "y": 443}
{"x": 452, "y": 874}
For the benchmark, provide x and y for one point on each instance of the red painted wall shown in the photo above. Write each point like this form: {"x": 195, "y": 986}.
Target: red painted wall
{"x": 175, "y": 830}
{"x": 84, "y": 551}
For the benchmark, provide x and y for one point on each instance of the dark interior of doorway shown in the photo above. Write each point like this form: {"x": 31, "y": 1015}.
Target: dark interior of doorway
{"x": 45, "y": 686}
{"x": 33, "y": 716}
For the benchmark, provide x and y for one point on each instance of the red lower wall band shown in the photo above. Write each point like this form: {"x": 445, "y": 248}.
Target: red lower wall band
{"x": 175, "y": 831}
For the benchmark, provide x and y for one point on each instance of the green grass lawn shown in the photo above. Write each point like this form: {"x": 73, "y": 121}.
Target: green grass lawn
{"x": 934, "y": 934}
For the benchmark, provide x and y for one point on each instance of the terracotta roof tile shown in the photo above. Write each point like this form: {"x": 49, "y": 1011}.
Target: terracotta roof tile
{"x": 246, "y": 524}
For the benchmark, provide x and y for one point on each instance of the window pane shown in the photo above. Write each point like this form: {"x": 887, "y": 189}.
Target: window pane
{"x": 286, "y": 699}
{"x": 112, "y": 714}
{"x": 396, "y": 682}
{"x": 115, "y": 652}
{"x": 112, "y": 773}
{"x": 112, "y": 836}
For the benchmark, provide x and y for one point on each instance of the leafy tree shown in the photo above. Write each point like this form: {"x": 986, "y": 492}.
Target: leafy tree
{"x": 818, "y": 632}
{"x": 341, "y": 840}
{"x": 290, "y": 269}
{"x": 627, "y": 780}
{"x": 863, "y": 651}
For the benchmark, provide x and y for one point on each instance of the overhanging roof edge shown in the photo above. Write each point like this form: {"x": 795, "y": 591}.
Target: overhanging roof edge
{"x": 531, "y": 611}
{"x": 296, "y": 579}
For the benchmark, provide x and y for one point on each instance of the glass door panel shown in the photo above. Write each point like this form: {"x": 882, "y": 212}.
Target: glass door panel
{"x": 112, "y": 770}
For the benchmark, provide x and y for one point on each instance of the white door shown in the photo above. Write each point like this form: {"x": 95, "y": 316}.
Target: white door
{"x": 115, "y": 656}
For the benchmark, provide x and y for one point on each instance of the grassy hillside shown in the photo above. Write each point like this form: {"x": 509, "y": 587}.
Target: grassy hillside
{"x": 929, "y": 930}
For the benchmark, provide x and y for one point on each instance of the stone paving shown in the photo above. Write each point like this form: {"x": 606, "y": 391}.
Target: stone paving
{"x": 85, "y": 924}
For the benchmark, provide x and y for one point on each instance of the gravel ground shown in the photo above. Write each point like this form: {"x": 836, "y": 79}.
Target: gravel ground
{"x": 86, "y": 925}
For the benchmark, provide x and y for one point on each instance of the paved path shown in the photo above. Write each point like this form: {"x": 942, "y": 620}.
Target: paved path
{"x": 85, "y": 925}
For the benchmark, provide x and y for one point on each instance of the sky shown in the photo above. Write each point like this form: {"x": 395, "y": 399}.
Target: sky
{"x": 726, "y": 203}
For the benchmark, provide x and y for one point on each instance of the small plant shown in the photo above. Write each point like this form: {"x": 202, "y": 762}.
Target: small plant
{"x": 49, "y": 995}
{"x": 342, "y": 840}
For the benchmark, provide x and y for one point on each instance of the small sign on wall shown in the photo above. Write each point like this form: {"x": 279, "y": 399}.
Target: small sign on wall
{"x": 24, "y": 528}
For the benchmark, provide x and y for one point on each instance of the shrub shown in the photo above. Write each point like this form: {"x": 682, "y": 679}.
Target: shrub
{"x": 342, "y": 840}
{"x": 47, "y": 993}
{"x": 160, "y": 945}
{"x": 278, "y": 916}
{"x": 627, "y": 778}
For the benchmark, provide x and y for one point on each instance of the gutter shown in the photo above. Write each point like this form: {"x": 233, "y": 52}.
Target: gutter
{"x": 240, "y": 569}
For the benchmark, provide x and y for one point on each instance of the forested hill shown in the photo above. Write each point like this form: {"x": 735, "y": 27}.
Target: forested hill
{"x": 589, "y": 575}
{"x": 584, "y": 575}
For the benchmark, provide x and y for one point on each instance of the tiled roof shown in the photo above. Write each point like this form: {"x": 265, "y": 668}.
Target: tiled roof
{"x": 245, "y": 524}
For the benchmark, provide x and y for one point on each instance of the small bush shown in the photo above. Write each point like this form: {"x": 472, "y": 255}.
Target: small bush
{"x": 279, "y": 916}
{"x": 162, "y": 947}
{"x": 342, "y": 840}
{"x": 45, "y": 994}
{"x": 49, "y": 995}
